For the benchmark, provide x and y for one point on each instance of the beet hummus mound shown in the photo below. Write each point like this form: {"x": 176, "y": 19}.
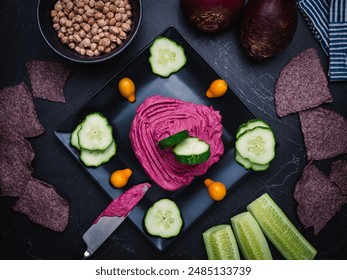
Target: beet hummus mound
{"x": 159, "y": 117}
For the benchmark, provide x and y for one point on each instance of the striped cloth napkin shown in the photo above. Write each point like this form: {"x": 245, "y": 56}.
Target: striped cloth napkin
{"x": 328, "y": 22}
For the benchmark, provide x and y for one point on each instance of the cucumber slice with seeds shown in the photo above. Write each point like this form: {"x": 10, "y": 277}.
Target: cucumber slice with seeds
{"x": 250, "y": 125}
{"x": 96, "y": 158}
{"x": 173, "y": 140}
{"x": 95, "y": 133}
{"x": 166, "y": 57}
{"x": 220, "y": 243}
{"x": 192, "y": 150}
{"x": 279, "y": 229}
{"x": 74, "y": 137}
{"x": 163, "y": 219}
{"x": 257, "y": 145}
{"x": 250, "y": 238}
{"x": 249, "y": 165}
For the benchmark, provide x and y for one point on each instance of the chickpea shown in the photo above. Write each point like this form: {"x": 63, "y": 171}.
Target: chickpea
{"x": 99, "y": 5}
{"x": 94, "y": 31}
{"x": 56, "y": 26}
{"x": 65, "y": 40}
{"x": 91, "y": 3}
{"x": 101, "y": 22}
{"x": 86, "y": 28}
{"x": 125, "y": 27}
{"x": 76, "y": 26}
{"x": 79, "y": 18}
{"x": 92, "y": 27}
{"x": 96, "y": 39}
{"x": 93, "y": 46}
{"x": 89, "y": 53}
{"x": 86, "y": 43}
{"x": 112, "y": 21}
{"x": 72, "y": 45}
{"x": 82, "y": 51}
{"x": 82, "y": 33}
{"x": 77, "y": 38}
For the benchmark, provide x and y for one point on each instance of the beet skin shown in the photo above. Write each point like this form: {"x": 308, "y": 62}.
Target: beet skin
{"x": 267, "y": 27}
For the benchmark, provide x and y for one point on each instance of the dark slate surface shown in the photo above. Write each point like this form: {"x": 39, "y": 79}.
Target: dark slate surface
{"x": 254, "y": 83}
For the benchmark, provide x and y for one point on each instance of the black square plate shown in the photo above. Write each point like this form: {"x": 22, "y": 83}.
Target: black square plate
{"x": 189, "y": 84}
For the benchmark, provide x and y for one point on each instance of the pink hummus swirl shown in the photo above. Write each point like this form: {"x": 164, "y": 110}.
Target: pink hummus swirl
{"x": 159, "y": 117}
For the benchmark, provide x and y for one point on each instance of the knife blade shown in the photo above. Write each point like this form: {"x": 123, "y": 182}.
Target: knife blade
{"x": 110, "y": 219}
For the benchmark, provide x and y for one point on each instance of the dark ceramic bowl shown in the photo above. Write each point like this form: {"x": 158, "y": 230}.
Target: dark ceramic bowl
{"x": 45, "y": 24}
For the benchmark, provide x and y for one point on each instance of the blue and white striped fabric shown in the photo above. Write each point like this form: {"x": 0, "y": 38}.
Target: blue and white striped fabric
{"x": 338, "y": 40}
{"x": 316, "y": 13}
{"x": 328, "y": 22}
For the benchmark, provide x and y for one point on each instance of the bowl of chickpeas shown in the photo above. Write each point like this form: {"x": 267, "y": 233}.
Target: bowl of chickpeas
{"x": 89, "y": 31}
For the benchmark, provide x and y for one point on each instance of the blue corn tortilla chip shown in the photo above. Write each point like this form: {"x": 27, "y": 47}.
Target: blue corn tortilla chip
{"x": 48, "y": 79}
{"x": 325, "y": 133}
{"x": 17, "y": 111}
{"x": 16, "y": 156}
{"x": 43, "y": 205}
{"x": 318, "y": 199}
{"x": 38, "y": 200}
{"x": 302, "y": 84}
{"x": 338, "y": 174}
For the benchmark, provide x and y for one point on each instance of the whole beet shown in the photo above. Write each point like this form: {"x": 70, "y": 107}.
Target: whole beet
{"x": 211, "y": 15}
{"x": 267, "y": 27}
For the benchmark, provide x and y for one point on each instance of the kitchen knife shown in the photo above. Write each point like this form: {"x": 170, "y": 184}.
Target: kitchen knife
{"x": 112, "y": 217}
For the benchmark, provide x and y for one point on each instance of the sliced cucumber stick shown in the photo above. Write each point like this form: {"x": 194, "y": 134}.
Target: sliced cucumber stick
{"x": 220, "y": 243}
{"x": 173, "y": 140}
{"x": 279, "y": 229}
{"x": 95, "y": 133}
{"x": 250, "y": 238}
{"x": 163, "y": 219}
{"x": 192, "y": 150}
{"x": 166, "y": 57}
{"x": 96, "y": 158}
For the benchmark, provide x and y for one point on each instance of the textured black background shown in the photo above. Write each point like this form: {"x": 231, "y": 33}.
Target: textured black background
{"x": 254, "y": 83}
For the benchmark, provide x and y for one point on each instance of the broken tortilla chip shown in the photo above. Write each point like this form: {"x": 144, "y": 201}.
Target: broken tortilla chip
{"x": 325, "y": 133}
{"x": 318, "y": 199}
{"x": 302, "y": 84}
{"x": 338, "y": 175}
{"x": 48, "y": 79}
{"x": 43, "y": 205}
{"x": 16, "y": 156}
{"x": 17, "y": 111}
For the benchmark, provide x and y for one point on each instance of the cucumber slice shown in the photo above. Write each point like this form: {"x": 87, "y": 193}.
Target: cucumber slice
{"x": 257, "y": 145}
{"x": 250, "y": 125}
{"x": 220, "y": 243}
{"x": 163, "y": 219}
{"x": 96, "y": 158}
{"x": 249, "y": 165}
{"x": 95, "y": 133}
{"x": 278, "y": 228}
{"x": 260, "y": 167}
{"x": 244, "y": 162}
{"x": 74, "y": 137}
{"x": 192, "y": 150}
{"x": 166, "y": 57}
{"x": 173, "y": 140}
{"x": 250, "y": 238}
